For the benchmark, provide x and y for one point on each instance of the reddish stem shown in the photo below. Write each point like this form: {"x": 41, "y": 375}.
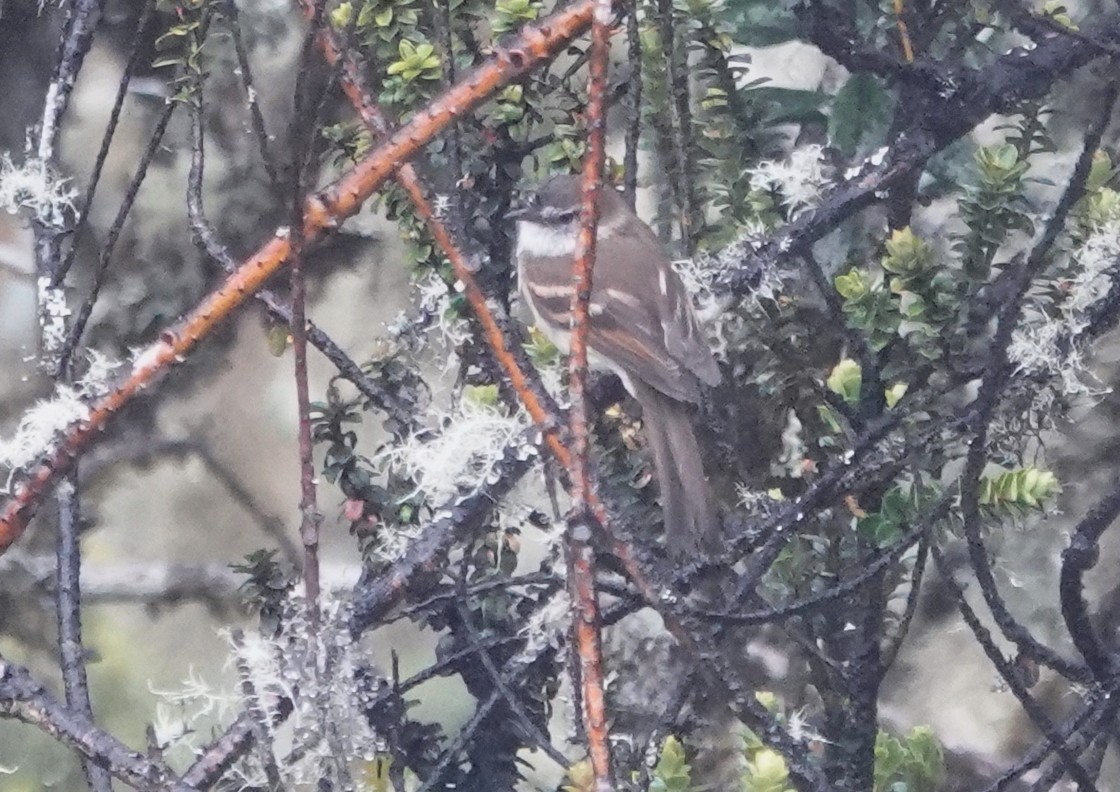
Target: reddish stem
{"x": 581, "y": 555}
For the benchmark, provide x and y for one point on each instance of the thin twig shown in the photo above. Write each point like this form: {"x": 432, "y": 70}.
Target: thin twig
{"x": 1007, "y": 673}
{"x": 149, "y": 582}
{"x": 895, "y": 641}
{"x": 134, "y": 60}
{"x": 1085, "y": 720}
{"x": 256, "y": 117}
{"x": 81, "y": 23}
{"x": 68, "y": 608}
{"x": 869, "y": 568}
{"x": 105, "y": 256}
{"x": 581, "y": 555}
{"x": 680, "y": 119}
{"x": 946, "y": 116}
{"x": 1077, "y": 559}
{"x": 515, "y": 668}
{"x": 211, "y": 762}
{"x": 303, "y": 129}
{"x": 633, "y": 104}
{"x": 988, "y": 396}
{"x": 460, "y": 517}
{"x": 207, "y": 238}
{"x": 512, "y": 698}
{"x": 26, "y": 700}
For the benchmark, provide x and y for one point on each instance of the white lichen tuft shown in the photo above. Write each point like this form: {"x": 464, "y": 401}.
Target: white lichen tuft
{"x": 799, "y": 179}
{"x": 757, "y": 503}
{"x": 325, "y": 676}
{"x": 435, "y": 325}
{"x": 792, "y": 461}
{"x": 39, "y": 428}
{"x": 321, "y": 674}
{"x": 1046, "y": 343}
{"x": 53, "y": 312}
{"x": 98, "y": 378}
{"x": 463, "y": 455}
{"x": 1096, "y": 257}
{"x": 547, "y": 625}
{"x": 181, "y": 711}
{"x": 441, "y": 205}
{"x": 434, "y": 298}
{"x": 33, "y": 187}
{"x": 701, "y": 276}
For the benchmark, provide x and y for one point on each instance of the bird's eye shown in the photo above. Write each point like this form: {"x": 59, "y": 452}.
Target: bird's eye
{"x": 567, "y": 217}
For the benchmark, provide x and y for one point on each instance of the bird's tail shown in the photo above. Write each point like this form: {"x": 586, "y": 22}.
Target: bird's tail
{"x": 691, "y": 524}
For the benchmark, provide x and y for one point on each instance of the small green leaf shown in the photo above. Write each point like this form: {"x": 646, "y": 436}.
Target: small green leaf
{"x": 852, "y": 285}
{"x": 829, "y": 417}
{"x": 1100, "y": 172}
{"x": 894, "y": 394}
{"x": 1056, "y": 10}
{"x": 846, "y": 380}
{"x": 341, "y": 16}
{"x": 482, "y": 395}
{"x": 907, "y": 254}
{"x": 672, "y": 773}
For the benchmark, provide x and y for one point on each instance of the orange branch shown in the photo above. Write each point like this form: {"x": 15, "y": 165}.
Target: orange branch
{"x": 323, "y": 212}
{"x": 581, "y": 557}
{"x": 903, "y": 32}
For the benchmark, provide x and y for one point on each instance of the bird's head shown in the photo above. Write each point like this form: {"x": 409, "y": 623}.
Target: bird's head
{"x": 556, "y": 205}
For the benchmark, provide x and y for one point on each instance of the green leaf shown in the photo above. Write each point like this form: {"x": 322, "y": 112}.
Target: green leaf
{"x": 911, "y": 305}
{"x": 1100, "y": 173}
{"x": 851, "y": 286}
{"x": 1056, "y": 10}
{"x": 829, "y": 417}
{"x": 894, "y": 394}
{"x": 341, "y": 16}
{"x": 858, "y": 114}
{"x": 1026, "y": 487}
{"x": 846, "y": 380}
{"x": 581, "y": 777}
{"x": 907, "y": 254}
{"x": 482, "y": 395}
{"x": 672, "y": 773}
{"x": 792, "y": 105}
{"x": 763, "y": 23}
{"x": 766, "y": 772}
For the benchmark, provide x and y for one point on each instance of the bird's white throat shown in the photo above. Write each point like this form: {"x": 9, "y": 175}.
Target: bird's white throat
{"x": 537, "y": 239}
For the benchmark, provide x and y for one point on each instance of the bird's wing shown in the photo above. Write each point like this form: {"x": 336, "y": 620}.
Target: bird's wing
{"x": 626, "y": 315}
{"x": 684, "y": 338}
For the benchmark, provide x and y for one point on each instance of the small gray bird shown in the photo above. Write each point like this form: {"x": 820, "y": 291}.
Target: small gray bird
{"x": 642, "y": 327}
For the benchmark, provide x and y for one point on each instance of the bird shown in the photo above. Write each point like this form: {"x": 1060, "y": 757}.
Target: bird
{"x": 642, "y": 327}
